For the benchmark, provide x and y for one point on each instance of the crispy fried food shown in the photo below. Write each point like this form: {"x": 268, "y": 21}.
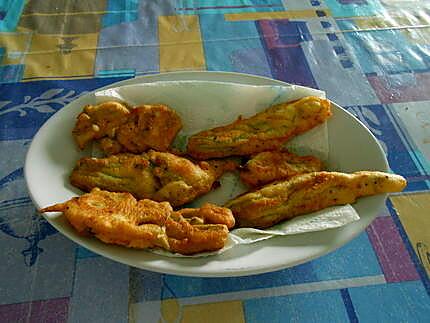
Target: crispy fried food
{"x": 110, "y": 146}
{"x": 181, "y": 180}
{"x": 120, "y": 129}
{"x": 267, "y": 130}
{"x": 308, "y": 193}
{"x": 208, "y": 213}
{"x": 149, "y": 126}
{"x": 159, "y": 176}
{"x": 270, "y": 166}
{"x": 118, "y": 218}
{"x": 98, "y": 121}
{"x": 118, "y": 173}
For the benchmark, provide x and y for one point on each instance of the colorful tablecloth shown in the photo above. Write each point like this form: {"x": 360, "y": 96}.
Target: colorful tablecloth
{"x": 370, "y": 56}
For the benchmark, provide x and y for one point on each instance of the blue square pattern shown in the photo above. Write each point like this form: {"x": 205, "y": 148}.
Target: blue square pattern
{"x": 356, "y": 259}
{"x": 10, "y": 12}
{"x": 83, "y": 253}
{"x": 349, "y": 9}
{"x": 397, "y": 302}
{"x": 211, "y": 7}
{"x": 332, "y": 37}
{"x": 233, "y": 46}
{"x": 120, "y": 11}
{"x": 324, "y": 306}
{"x": 384, "y": 51}
{"x": 346, "y": 63}
{"x": 123, "y": 46}
{"x": 108, "y": 302}
{"x": 325, "y": 24}
{"x": 400, "y": 156}
{"x": 145, "y": 285}
{"x": 11, "y": 73}
{"x": 339, "y": 49}
{"x": 320, "y": 13}
{"x": 292, "y": 32}
{"x": 286, "y": 56}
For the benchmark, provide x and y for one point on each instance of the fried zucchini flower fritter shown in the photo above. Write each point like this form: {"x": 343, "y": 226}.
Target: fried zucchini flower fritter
{"x": 118, "y": 218}
{"x": 307, "y": 193}
{"x": 99, "y": 121}
{"x": 119, "y": 128}
{"x": 159, "y": 176}
{"x": 270, "y": 166}
{"x": 267, "y": 130}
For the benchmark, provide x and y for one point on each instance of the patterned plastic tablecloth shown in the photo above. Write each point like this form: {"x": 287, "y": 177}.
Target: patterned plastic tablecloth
{"x": 370, "y": 56}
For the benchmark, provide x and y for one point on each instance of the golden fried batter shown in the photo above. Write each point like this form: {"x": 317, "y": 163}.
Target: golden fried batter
{"x": 208, "y": 213}
{"x": 118, "y": 173}
{"x": 110, "y": 146}
{"x": 98, "y": 121}
{"x": 118, "y": 218}
{"x": 181, "y": 180}
{"x": 267, "y": 130}
{"x": 308, "y": 193}
{"x": 149, "y": 126}
{"x": 270, "y": 166}
{"x": 159, "y": 176}
{"x": 120, "y": 129}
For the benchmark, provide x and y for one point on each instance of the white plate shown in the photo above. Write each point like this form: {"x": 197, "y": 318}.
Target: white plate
{"x": 52, "y": 155}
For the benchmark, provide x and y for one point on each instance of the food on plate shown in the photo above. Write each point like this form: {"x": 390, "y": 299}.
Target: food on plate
{"x": 208, "y": 214}
{"x": 267, "y": 130}
{"x": 119, "y": 128}
{"x": 118, "y": 218}
{"x": 270, "y": 166}
{"x": 308, "y": 193}
{"x": 159, "y": 176}
{"x": 133, "y": 191}
{"x": 149, "y": 126}
{"x": 98, "y": 121}
{"x": 110, "y": 146}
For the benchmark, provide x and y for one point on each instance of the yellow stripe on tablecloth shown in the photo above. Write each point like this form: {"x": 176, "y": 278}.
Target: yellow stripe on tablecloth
{"x": 49, "y": 56}
{"x": 291, "y": 14}
{"x": 76, "y": 13}
{"x": 387, "y": 22}
{"x": 14, "y": 42}
{"x": 376, "y": 23}
{"x": 413, "y": 210}
{"x": 170, "y": 310}
{"x": 180, "y": 43}
{"x": 230, "y": 311}
{"x": 393, "y": 19}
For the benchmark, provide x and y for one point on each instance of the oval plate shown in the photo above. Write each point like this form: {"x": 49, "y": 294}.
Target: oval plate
{"x": 352, "y": 148}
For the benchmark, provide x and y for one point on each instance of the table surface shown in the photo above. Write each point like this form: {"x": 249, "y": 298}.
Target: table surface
{"x": 370, "y": 56}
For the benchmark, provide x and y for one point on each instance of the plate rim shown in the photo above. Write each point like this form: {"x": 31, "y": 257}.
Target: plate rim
{"x": 222, "y": 272}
